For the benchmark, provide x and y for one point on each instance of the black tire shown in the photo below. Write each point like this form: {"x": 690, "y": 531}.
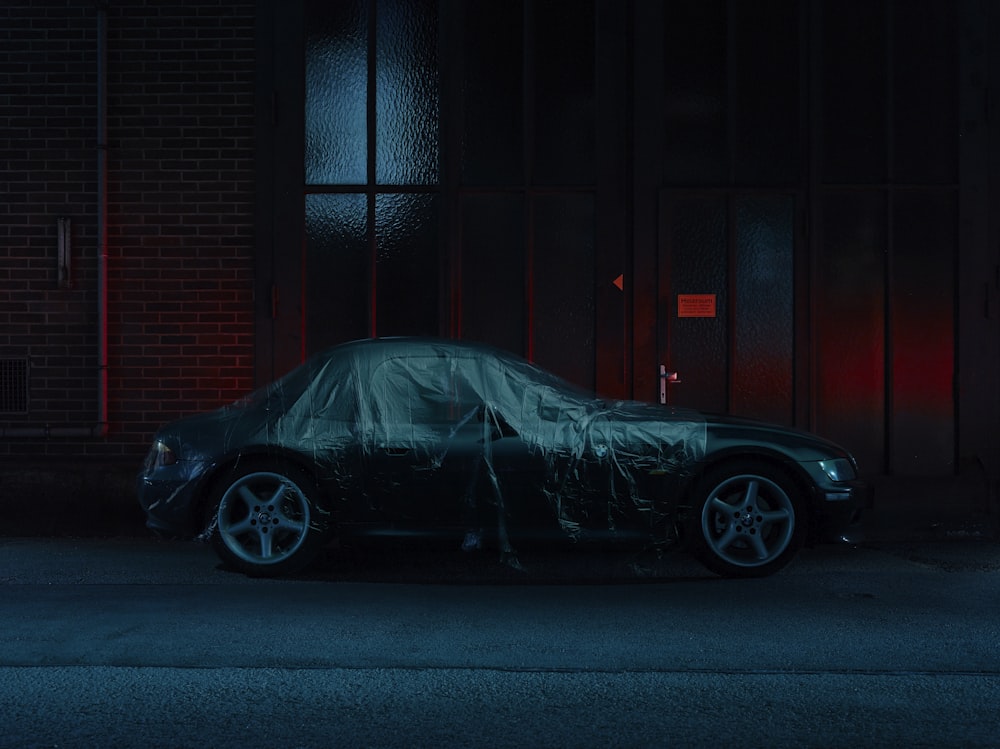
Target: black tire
{"x": 269, "y": 519}
{"x": 749, "y": 520}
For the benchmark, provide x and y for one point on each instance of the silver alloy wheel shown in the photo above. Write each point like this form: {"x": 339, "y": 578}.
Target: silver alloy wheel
{"x": 263, "y": 518}
{"x": 748, "y": 520}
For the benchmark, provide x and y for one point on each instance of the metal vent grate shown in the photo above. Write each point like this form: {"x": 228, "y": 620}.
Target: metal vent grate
{"x": 13, "y": 386}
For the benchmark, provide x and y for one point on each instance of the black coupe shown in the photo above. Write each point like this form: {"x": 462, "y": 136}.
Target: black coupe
{"x": 423, "y": 436}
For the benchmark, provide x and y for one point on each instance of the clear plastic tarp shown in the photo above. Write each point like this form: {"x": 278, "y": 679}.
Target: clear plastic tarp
{"x": 476, "y": 430}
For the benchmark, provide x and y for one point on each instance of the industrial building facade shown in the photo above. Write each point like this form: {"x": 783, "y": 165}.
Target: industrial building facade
{"x": 786, "y": 202}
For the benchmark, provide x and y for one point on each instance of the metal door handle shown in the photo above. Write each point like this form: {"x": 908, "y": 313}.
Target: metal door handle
{"x": 672, "y": 377}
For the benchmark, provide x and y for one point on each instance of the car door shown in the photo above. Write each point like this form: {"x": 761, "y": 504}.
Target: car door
{"x": 424, "y": 441}
{"x": 550, "y": 469}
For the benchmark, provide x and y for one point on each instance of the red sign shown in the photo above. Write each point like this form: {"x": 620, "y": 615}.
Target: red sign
{"x": 696, "y": 305}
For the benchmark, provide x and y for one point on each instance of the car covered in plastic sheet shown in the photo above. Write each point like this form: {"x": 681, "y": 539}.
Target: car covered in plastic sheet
{"x": 403, "y": 437}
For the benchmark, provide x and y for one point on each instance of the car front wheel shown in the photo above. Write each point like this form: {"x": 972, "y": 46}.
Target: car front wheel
{"x": 268, "y": 520}
{"x": 749, "y": 521}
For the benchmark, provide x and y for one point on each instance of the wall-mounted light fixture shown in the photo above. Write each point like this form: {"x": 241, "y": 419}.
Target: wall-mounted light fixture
{"x": 64, "y": 252}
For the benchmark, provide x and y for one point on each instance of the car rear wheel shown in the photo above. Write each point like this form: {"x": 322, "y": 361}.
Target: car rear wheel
{"x": 269, "y": 520}
{"x": 750, "y": 520}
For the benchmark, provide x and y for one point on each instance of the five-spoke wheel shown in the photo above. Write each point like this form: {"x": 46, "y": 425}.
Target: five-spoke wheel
{"x": 269, "y": 520}
{"x": 749, "y": 522}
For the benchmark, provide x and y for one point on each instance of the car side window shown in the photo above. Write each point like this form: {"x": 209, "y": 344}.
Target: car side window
{"x": 422, "y": 390}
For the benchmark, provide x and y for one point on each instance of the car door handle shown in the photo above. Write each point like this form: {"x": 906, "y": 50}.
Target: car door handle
{"x": 396, "y": 451}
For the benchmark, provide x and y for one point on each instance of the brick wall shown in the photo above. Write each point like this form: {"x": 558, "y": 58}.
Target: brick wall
{"x": 47, "y": 145}
{"x": 180, "y": 108}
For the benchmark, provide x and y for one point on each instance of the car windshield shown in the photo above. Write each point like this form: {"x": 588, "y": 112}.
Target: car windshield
{"x": 312, "y": 375}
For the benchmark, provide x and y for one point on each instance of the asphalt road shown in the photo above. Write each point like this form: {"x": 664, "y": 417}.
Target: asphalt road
{"x": 135, "y": 642}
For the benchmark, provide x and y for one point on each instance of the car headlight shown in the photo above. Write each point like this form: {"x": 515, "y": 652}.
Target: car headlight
{"x": 160, "y": 455}
{"x": 838, "y": 469}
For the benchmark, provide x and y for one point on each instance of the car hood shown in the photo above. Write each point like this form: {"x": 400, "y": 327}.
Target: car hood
{"x": 207, "y": 436}
{"x": 726, "y": 432}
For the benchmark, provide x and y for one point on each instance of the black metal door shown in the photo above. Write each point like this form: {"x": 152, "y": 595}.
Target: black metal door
{"x": 727, "y": 301}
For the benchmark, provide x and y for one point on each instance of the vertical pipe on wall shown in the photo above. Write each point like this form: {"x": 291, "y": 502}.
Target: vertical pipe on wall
{"x": 101, "y": 428}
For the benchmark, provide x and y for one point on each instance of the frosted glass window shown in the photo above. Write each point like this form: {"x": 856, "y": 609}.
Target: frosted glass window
{"x": 406, "y": 119}
{"x": 336, "y": 68}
